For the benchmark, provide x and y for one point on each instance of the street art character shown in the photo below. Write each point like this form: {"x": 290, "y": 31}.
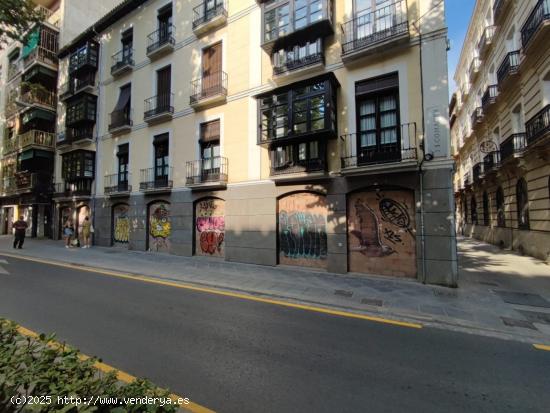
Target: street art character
{"x": 122, "y": 227}
{"x": 160, "y": 227}
{"x": 368, "y": 234}
{"x": 210, "y": 227}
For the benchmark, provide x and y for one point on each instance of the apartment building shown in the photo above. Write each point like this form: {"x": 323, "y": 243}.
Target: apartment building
{"x": 285, "y": 132}
{"x": 500, "y": 126}
{"x": 28, "y": 107}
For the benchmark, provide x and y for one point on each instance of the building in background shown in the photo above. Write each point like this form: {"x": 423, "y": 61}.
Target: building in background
{"x": 28, "y": 107}
{"x": 500, "y": 126}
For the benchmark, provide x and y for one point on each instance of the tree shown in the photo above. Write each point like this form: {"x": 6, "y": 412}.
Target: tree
{"x": 16, "y": 18}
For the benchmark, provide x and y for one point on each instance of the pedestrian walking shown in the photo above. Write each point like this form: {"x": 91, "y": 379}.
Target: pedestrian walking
{"x": 87, "y": 230}
{"x": 20, "y": 227}
{"x": 68, "y": 231}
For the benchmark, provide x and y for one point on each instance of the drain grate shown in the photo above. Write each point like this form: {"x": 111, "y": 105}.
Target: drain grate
{"x": 372, "y": 301}
{"x": 532, "y": 300}
{"x": 445, "y": 293}
{"x": 343, "y": 293}
{"x": 512, "y": 322}
{"x": 536, "y": 317}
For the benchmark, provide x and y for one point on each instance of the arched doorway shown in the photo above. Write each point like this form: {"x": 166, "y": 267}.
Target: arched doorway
{"x": 382, "y": 232}
{"x": 302, "y": 230}
{"x": 120, "y": 226}
{"x": 159, "y": 226}
{"x": 210, "y": 227}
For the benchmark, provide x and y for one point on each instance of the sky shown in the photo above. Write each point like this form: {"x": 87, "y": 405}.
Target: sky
{"x": 458, "y": 15}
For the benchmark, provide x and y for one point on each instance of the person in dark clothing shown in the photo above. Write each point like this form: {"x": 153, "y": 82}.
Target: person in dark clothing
{"x": 20, "y": 227}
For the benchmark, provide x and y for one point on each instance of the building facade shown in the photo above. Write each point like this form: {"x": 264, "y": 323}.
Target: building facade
{"x": 304, "y": 133}
{"x": 28, "y": 113}
{"x": 500, "y": 126}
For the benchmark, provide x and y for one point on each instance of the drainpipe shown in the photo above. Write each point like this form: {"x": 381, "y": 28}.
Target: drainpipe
{"x": 98, "y": 123}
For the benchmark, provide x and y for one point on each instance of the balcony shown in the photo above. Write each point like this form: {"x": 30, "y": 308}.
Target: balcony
{"x": 38, "y": 182}
{"x": 31, "y": 139}
{"x": 41, "y": 55}
{"x": 465, "y": 91}
{"x": 208, "y": 90}
{"x": 299, "y": 66}
{"x": 500, "y": 8}
{"x": 85, "y": 59}
{"x": 122, "y": 62}
{"x": 207, "y": 18}
{"x": 156, "y": 179}
{"x": 161, "y": 41}
{"x": 117, "y": 185}
{"x": 477, "y": 172}
{"x": 486, "y": 40}
{"x": 489, "y": 97}
{"x": 83, "y": 134}
{"x": 508, "y": 68}
{"x": 121, "y": 121}
{"x": 38, "y": 98}
{"x": 75, "y": 188}
{"x": 159, "y": 108}
{"x": 301, "y": 169}
{"x": 513, "y": 147}
{"x": 207, "y": 173}
{"x": 536, "y": 26}
{"x": 390, "y": 157}
{"x": 473, "y": 71}
{"x": 74, "y": 86}
{"x": 380, "y": 30}
{"x": 14, "y": 68}
{"x": 290, "y": 22}
{"x": 81, "y": 111}
{"x": 538, "y": 127}
{"x": 491, "y": 162}
{"x": 477, "y": 117}
{"x": 8, "y": 186}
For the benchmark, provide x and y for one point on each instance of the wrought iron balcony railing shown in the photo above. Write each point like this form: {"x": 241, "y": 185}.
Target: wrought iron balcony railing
{"x": 117, "y": 183}
{"x": 404, "y": 148}
{"x": 42, "y": 55}
{"x": 39, "y": 97}
{"x": 380, "y": 26}
{"x": 499, "y": 7}
{"x": 157, "y": 178}
{"x": 486, "y": 39}
{"x": 206, "y": 170}
{"x": 508, "y": 67}
{"x": 79, "y": 134}
{"x": 208, "y": 86}
{"x": 538, "y": 126}
{"x": 120, "y": 119}
{"x": 489, "y": 97}
{"x": 122, "y": 60}
{"x": 76, "y": 85}
{"x": 491, "y": 161}
{"x": 33, "y": 182}
{"x": 45, "y": 140}
{"x": 300, "y": 166}
{"x": 513, "y": 145}
{"x": 477, "y": 116}
{"x": 299, "y": 62}
{"x": 73, "y": 188}
{"x": 474, "y": 68}
{"x": 477, "y": 171}
{"x": 164, "y": 36}
{"x": 537, "y": 18}
{"x": 202, "y": 13}
{"x": 161, "y": 104}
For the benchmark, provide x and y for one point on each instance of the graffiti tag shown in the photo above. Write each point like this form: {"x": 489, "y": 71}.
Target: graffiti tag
{"x": 303, "y": 235}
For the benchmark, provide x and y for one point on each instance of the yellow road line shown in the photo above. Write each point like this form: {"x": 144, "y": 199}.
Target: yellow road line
{"x": 208, "y": 290}
{"x": 542, "y": 347}
{"x": 121, "y": 375}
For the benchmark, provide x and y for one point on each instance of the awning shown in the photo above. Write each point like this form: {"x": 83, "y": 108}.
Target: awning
{"x": 123, "y": 149}
{"x": 35, "y": 153}
{"x": 31, "y": 42}
{"x": 26, "y": 155}
{"x": 160, "y": 139}
{"x": 38, "y": 114}
{"x": 210, "y": 131}
{"x": 123, "y": 98}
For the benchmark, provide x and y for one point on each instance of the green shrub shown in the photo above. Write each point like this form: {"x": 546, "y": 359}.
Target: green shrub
{"x": 40, "y": 368}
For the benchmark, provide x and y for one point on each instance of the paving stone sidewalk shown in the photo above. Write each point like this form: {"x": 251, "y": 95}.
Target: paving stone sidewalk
{"x": 500, "y": 293}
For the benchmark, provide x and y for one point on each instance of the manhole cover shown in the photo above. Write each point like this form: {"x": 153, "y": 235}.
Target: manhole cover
{"x": 372, "y": 301}
{"x": 512, "y": 322}
{"x": 533, "y": 300}
{"x": 536, "y": 317}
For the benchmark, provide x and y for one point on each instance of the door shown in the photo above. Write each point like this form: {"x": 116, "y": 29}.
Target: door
{"x": 121, "y": 226}
{"x": 210, "y": 227}
{"x": 163, "y": 89}
{"x": 378, "y": 137}
{"x": 159, "y": 227}
{"x": 165, "y": 25}
{"x": 211, "y": 69}
{"x": 161, "y": 164}
{"x": 122, "y": 177}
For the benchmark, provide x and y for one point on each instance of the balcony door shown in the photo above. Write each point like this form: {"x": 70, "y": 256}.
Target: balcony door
{"x": 164, "y": 86}
{"x": 164, "y": 19}
{"x": 127, "y": 44}
{"x": 210, "y": 149}
{"x": 161, "y": 170}
{"x": 122, "y": 167}
{"x": 378, "y": 137}
{"x": 211, "y": 8}
{"x": 373, "y": 16}
{"x": 211, "y": 69}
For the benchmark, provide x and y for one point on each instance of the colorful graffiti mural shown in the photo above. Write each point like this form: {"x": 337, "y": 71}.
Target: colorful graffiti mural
{"x": 121, "y": 225}
{"x": 210, "y": 227}
{"x": 160, "y": 227}
{"x": 381, "y": 233}
{"x": 303, "y": 230}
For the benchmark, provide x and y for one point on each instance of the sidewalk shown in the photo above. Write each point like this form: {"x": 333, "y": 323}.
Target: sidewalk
{"x": 488, "y": 277}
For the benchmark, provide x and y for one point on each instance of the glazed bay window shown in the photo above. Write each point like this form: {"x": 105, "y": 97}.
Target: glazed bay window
{"x": 292, "y": 18}
{"x": 81, "y": 110}
{"x": 78, "y": 165}
{"x": 298, "y": 158}
{"x": 299, "y": 110}
{"x": 298, "y": 56}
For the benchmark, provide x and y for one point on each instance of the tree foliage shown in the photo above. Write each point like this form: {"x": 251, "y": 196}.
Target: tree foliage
{"x": 16, "y": 18}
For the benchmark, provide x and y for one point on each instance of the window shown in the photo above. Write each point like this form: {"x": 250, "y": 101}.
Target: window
{"x": 297, "y": 56}
{"x": 501, "y": 219}
{"x": 473, "y": 210}
{"x": 376, "y": 15}
{"x": 78, "y": 165}
{"x": 276, "y": 22}
{"x": 127, "y": 41}
{"x": 522, "y": 202}
{"x": 518, "y": 120}
{"x": 164, "y": 19}
{"x": 164, "y": 87}
{"x": 121, "y": 112}
{"x": 162, "y": 167}
{"x": 84, "y": 109}
{"x": 307, "y": 12}
{"x": 122, "y": 156}
{"x": 377, "y": 109}
{"x": 486, "y": 218}
{"x": 210, "y": 144}
{"x": 298, "y": 110}
{"x": 309, "y": 155}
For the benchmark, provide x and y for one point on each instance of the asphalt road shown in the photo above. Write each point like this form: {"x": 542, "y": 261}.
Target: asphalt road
{"x": 234, "y": 355}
